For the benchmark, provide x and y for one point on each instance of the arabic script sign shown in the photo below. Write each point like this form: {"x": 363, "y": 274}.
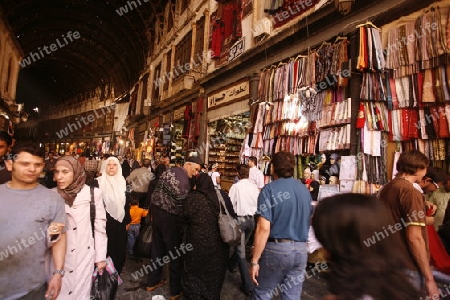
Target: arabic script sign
{"x": 236, "y": 91}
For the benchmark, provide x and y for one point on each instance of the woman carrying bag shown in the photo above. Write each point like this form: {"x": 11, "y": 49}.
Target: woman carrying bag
{"x": 84, "y": 248}
{"x": 113, "y": 186}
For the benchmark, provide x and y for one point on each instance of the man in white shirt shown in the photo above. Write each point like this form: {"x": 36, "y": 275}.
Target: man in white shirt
{"x": 215, "y": 176}
{"x": 244, "y": 197}
{"x": 255, "y": 175}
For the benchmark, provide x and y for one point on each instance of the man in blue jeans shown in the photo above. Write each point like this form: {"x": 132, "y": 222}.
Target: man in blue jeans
{"x": 280, "y": 254}
{"x": 244, "y": 197}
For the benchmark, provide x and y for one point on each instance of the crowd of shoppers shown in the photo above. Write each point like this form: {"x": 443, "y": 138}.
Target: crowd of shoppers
{"x": 184, "y": 206}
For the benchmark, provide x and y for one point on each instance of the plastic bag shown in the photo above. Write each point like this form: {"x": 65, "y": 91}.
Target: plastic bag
{"x": 143, "y": 245}
{"x": 104, "y": 285}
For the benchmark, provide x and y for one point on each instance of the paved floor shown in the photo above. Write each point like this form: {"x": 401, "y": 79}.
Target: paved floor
{"x": 314, "y": 287}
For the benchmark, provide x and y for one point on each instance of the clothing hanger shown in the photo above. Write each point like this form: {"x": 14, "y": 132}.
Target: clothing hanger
{"x": 301, "y": 56}
{"x": 254, "y": 101}
{"x": 368, "y": 23}
{"x": 323, "y": 45}
{"x": 340, "y": 38}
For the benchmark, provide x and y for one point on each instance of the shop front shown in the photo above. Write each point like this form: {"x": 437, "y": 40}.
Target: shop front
{"x": 179, "y": 133}
{"x": 228, "y": 120}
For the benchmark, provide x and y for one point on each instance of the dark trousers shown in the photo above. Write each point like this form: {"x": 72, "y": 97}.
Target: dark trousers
{"x": 142, "y": 197}
{"x": 247, "y": 225}
{"x": 166, "y": 237}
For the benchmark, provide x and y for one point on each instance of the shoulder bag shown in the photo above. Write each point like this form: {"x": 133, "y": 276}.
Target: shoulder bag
{"x": 228, "y": 226}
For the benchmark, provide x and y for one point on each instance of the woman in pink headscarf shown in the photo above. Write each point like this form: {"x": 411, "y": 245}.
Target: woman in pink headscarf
{"x": 84, "y": 247}
{"x": 113, "y": 186}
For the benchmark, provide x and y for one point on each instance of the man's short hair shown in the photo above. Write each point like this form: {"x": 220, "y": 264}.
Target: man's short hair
{"x": 243, "y": 171}
{"x": 436, "y": 175}
{"x": 411, "y": 161}
{"x": 253, "y": 159}
{"x": 283, "y": 164}
{"x": 146, "y": 163}
{"x": 4, "y": 136}
{"x": 29, "y": 147}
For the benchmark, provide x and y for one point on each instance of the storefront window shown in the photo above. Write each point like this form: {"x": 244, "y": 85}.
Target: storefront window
{"x": 225, "y": 140}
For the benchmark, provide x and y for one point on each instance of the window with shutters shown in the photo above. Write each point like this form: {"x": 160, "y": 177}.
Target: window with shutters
{"x": 199, "y": 41}
{"x": 183, "y": 55}
{"x": 168, "y": 69}
{"x": 171, "y": 15}
{"x": 158, "y": 80}
{"x": 144, "y": 87}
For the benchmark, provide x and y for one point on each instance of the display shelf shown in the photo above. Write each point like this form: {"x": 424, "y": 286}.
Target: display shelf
{"x": 226, "y": 154}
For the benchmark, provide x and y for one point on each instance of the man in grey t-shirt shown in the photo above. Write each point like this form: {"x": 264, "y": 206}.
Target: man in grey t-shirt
{"x": 32, "y": 220}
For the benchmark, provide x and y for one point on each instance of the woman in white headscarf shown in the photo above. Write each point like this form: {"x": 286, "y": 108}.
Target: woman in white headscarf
{"x": 113, "y": 186}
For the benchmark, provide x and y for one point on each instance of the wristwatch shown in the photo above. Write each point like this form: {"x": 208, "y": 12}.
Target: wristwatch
{"x": 60, "y": 272}
{"x": 253, "y": 264}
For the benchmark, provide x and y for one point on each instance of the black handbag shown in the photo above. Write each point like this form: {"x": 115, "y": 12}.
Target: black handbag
{"x": 104, "y": 287}
{"x": 143, "y": 245}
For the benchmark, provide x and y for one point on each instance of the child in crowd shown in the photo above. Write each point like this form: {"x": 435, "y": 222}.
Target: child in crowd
{"x": 133, "y": 228}
{"x": 364, "y": 264}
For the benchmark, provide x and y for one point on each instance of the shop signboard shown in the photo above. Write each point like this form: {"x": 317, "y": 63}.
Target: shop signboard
{"x": 232, "y": 93}
{"x": 178, "y": 113}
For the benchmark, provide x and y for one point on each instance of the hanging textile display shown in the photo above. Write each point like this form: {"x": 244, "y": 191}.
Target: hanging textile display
{"x": 417, "y": 81}
{"x": 302, "y": 108}
{"x": 226, "y": 27}
{"x": 373, "y": 118}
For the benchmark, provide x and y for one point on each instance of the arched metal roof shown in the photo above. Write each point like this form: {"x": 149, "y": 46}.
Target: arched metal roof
{"x": 111, "y": 48}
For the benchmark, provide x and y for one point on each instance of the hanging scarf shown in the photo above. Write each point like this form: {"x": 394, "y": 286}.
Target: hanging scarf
{"x": 79, "y": 178}
{"x": 113, "y": 188}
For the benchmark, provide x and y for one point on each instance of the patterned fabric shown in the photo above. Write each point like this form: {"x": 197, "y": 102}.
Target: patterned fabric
{"x": 171, "y": 190}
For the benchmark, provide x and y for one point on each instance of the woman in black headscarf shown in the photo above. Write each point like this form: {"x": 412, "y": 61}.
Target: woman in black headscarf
{"x": 205, "y": 264}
